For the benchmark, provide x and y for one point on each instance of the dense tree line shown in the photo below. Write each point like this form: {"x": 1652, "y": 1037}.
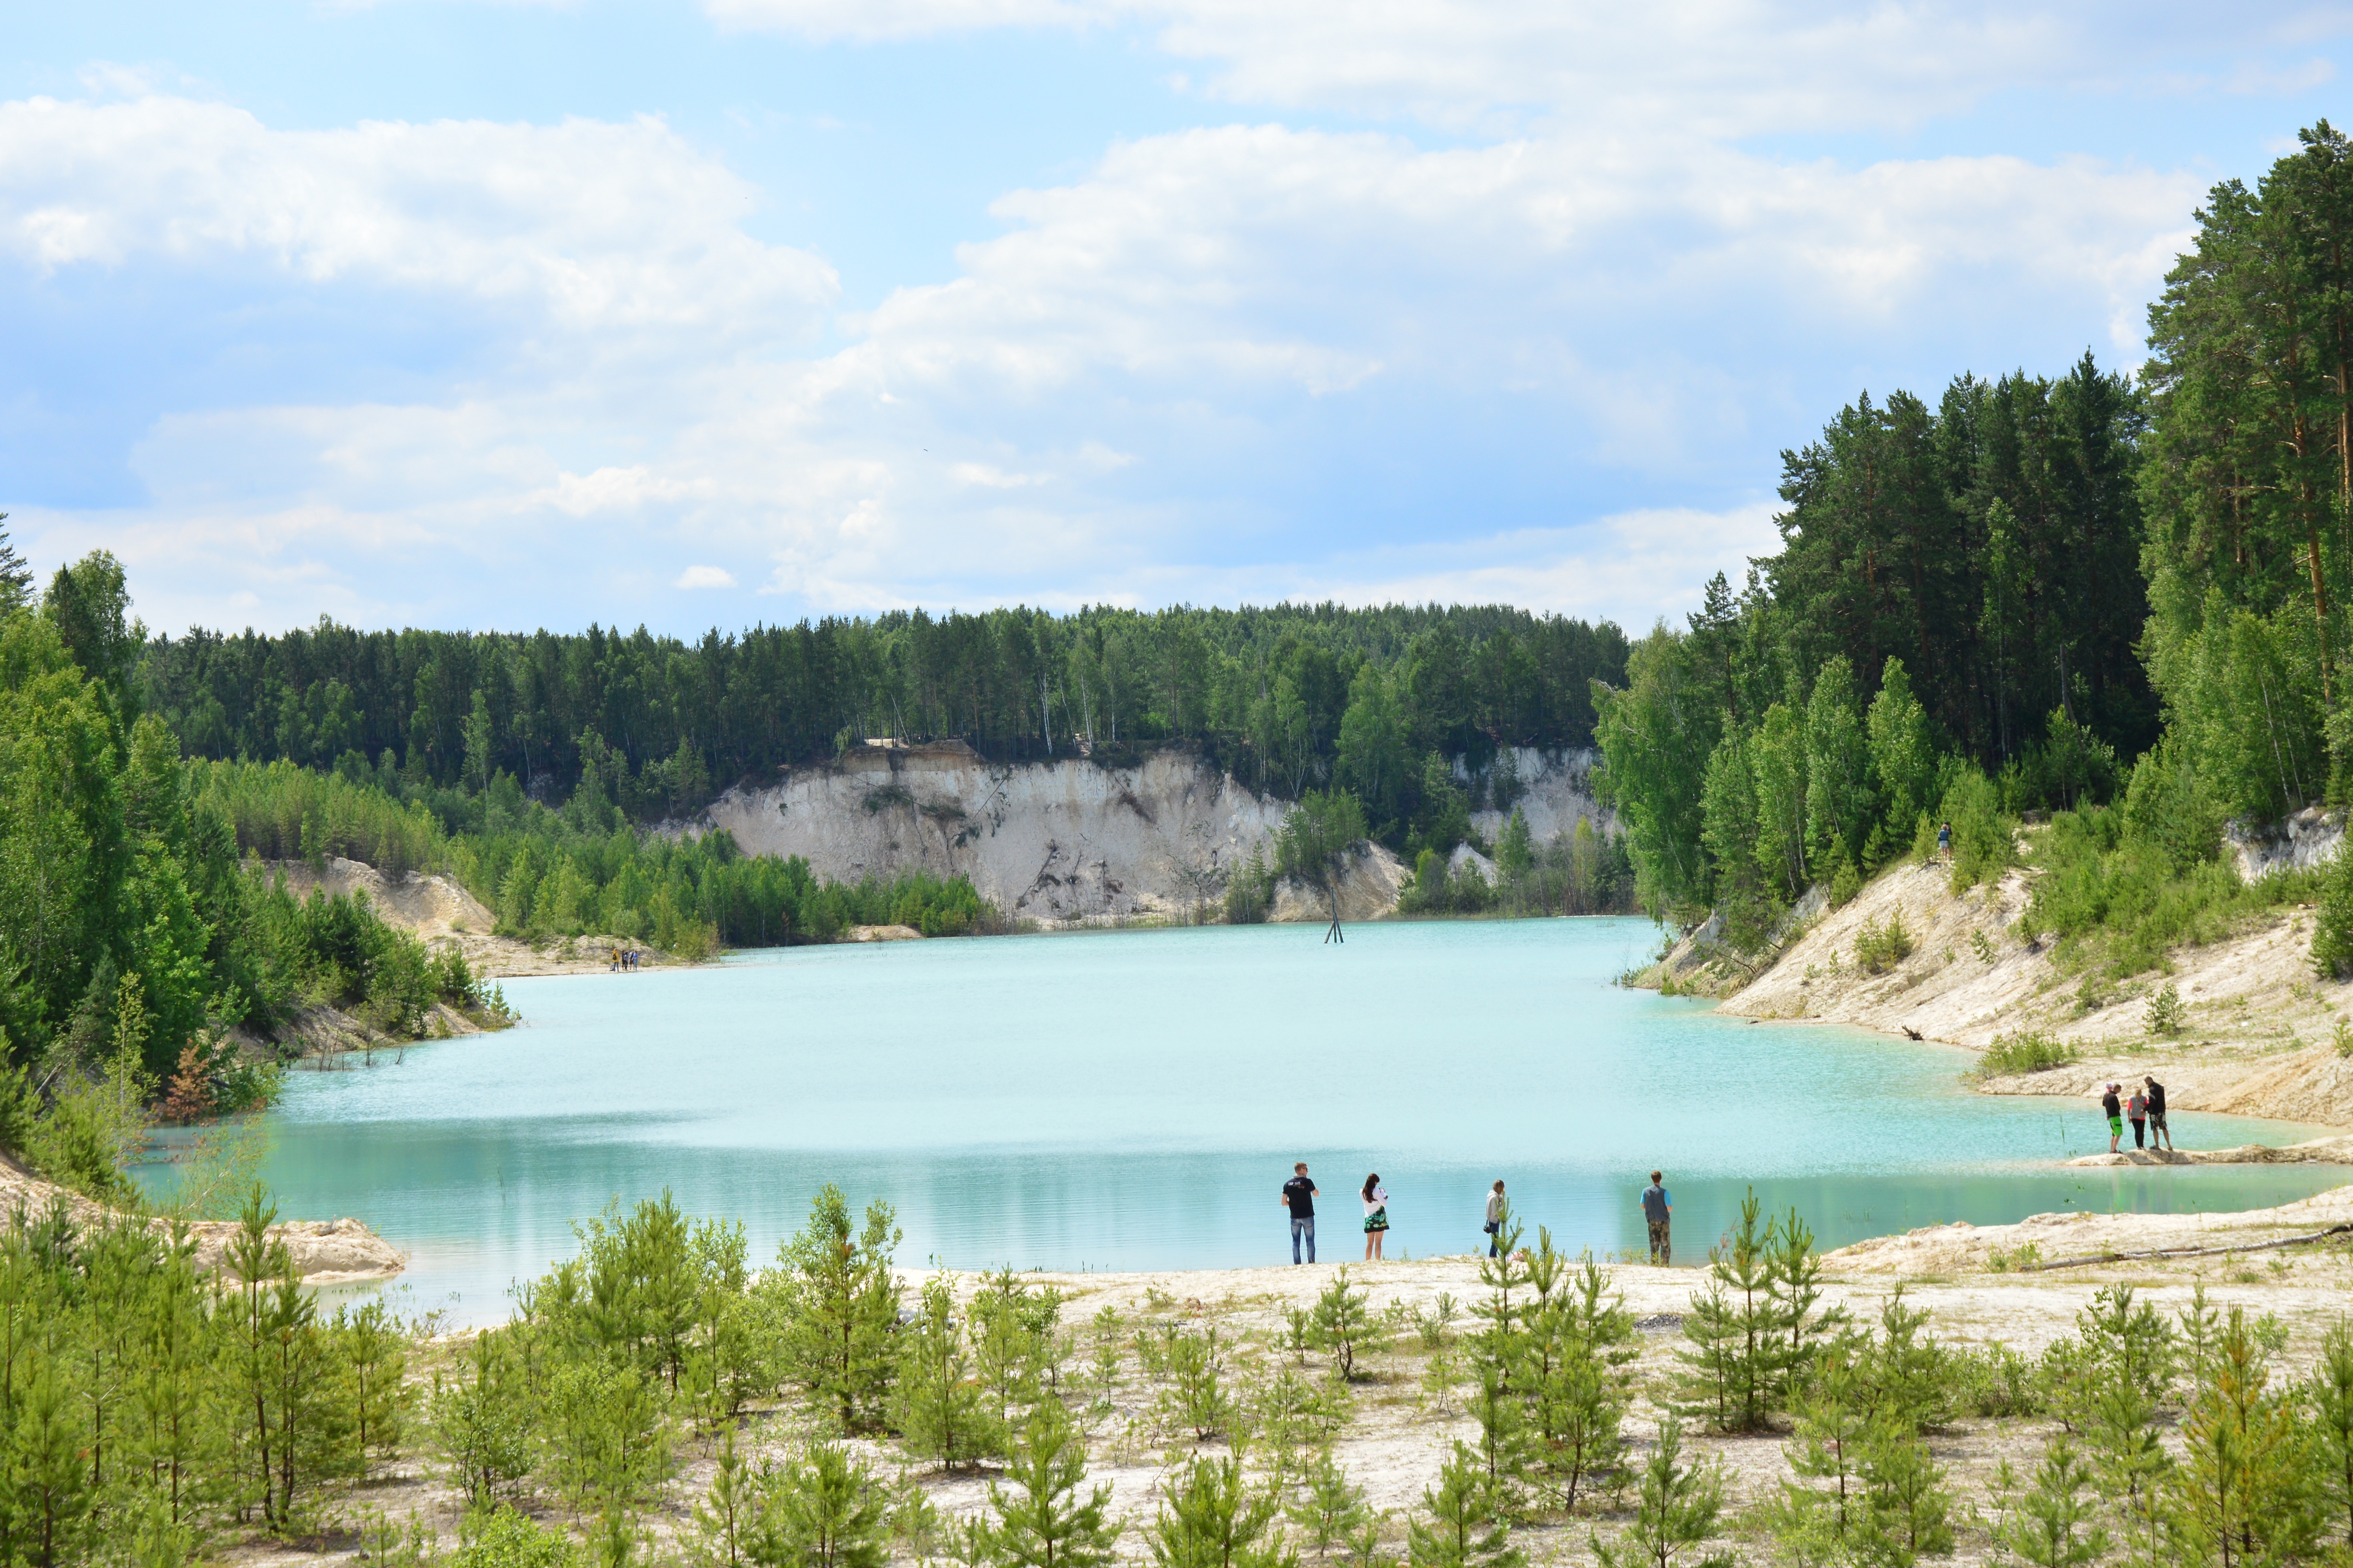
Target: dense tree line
{"x": 1957, "y": 597}
{"x": 2121, "y": 603}
{"x": 132, "y": 933}
{"x": 1288, "y": 697}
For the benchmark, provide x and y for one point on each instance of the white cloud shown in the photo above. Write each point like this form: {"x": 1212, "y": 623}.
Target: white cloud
{"x": 597, "y": 226}
{"x": 704, "y": 577}
{"x": 1634, "y": 567}
{"x": 1718, "y": 68}
{"x": 1140, "y": 391}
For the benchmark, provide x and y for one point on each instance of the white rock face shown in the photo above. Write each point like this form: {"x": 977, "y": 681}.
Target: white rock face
{"x": 1053, "y": 841}
{"x": 2309, "y": 838}
{"x": 1559, "y": 790}
{"x": 1071, "y": 841}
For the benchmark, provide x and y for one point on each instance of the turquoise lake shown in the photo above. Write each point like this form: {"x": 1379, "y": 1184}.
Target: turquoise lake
{"x": 1129, "y": 1100}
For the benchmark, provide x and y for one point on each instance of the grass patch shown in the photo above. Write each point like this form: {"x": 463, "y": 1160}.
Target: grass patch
{"x": 2029, "y": 1050}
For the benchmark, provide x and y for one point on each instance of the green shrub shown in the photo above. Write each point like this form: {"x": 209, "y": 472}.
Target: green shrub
{"x": 2026, "y": 1051}
{"x": 1878, "y": 947}
{"x": 2117, "y": 900}
{"x": 1985, "y": 839}
{"x": 1845, "y": 883}
{"x": 2165, "y": 1011}
{"x": 2332, "y": 934}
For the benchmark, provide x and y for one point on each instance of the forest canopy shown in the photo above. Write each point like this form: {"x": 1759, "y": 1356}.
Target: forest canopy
{"x": 2088, "y": 593}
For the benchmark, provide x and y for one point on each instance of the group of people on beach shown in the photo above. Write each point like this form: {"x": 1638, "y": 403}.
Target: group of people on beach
{"x": 622, "y": 958}
{"x": 2144, "y": 1108}
{"x": 1299, "y": 1192}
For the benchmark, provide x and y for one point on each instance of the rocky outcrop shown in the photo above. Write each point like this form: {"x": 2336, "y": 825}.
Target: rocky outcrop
{"x": 2311, "y": 837}
{"x": 325, "y": 1252}
{"x": 1368, "y": 890}
{"x": 429, "y": 906}
{"x": 1071, "y": 842}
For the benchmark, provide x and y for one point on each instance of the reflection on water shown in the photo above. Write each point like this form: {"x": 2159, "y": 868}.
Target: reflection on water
{"x": 1134, "y": 1099}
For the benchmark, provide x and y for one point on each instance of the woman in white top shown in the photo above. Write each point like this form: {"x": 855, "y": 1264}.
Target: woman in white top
{"x": 1494, "y": 1226}
{"x": 1376, "y": 1217}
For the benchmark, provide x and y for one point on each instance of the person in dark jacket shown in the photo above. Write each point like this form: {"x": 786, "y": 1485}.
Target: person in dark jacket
{"x": 2157, "y": 1128}
{"x": 2114, "y": 1109}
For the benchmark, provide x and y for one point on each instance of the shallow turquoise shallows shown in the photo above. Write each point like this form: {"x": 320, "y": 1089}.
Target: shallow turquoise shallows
{"x": 1126, "y": 1100}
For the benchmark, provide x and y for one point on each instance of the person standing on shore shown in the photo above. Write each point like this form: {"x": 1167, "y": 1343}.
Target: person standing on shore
{"x": 2157, "y": 1127}
{"x": 1299, "y": 1197}
{"x": 2136, "y": 1112}
{"x": 2113, "y": 1109}
{"x": 1376, "y": 1217}
{"x": 1495, "y": 1221}
{"x": 1657, "y": 1210}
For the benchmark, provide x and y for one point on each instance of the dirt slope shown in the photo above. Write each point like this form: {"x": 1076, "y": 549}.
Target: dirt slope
{"x": 2254, "y": 1042}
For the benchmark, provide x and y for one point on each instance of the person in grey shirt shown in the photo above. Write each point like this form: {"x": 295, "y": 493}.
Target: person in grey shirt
{"x": 1658, "y": 1209}
{"x": 1495, "y": 1221}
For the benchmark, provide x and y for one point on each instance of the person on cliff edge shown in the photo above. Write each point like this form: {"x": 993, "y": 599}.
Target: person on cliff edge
{"x": 1299, "y": 1197}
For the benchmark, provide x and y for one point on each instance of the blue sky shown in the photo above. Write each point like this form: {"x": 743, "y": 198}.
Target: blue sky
{"x": 446, "y": 313}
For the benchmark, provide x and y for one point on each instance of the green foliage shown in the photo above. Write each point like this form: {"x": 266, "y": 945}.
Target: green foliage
{"x": 822, "y": 1510}
{"x": 1319, "y": 840}
{"x": 1676, "y": 1511}
{"x": 2166, "y": 1011}
{"x": 2116, "y": 900}
{"x": 1755, "y": 1327}
{"x": 1879, "y": 948}
{"x": 1342, "y": 1322}
{"x": 1330, "y": 1509}
{"x": 2054, "y": 1525}
{"x": 838, "y": 1306}
{"x": 2024, "y": 1051}
{"x": 936, "y": 1401}
{"x": 502, "y": 1538}
{"x": 1212, "y": 1516}
{"x": 1046, "y": 1523}
{"x": 2332, "y": 929}
{"x": 1460, "y": 1524}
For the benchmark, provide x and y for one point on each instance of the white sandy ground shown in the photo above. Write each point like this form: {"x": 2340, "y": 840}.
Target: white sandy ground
{"x": 1401, "y": 1434}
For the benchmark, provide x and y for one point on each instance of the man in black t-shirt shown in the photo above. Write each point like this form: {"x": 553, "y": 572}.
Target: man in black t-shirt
{"x": 1299, "y": 1197}
{"x": 2157, "y": 1127}
{"x": 2114, "y": 1109}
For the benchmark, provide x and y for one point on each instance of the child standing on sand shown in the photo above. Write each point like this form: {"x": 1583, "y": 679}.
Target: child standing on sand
{"x": 1376, "y": 1217}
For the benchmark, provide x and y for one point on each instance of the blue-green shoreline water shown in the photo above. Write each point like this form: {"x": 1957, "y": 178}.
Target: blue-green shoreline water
{"x": 1126, "y": 1100}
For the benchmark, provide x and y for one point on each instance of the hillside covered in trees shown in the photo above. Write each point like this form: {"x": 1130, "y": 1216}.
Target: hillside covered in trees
{"x": 1287, "y": 697}
{"x": 2120, "y": 601}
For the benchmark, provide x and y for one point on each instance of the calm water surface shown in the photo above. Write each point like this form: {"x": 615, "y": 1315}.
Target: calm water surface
{"x": 1125, "y": 1099}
